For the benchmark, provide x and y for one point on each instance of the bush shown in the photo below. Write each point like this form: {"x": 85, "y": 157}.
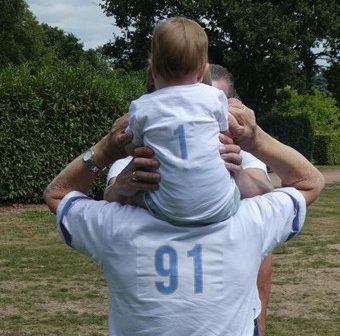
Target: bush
{"x": 48, "y": 116}
{"x": 294, "y": 131}
{"x": 326, "y": 148}
{"x": 320, "y": 107}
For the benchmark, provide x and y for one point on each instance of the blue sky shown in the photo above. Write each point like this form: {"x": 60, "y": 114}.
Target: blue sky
{"x": 83, "y": 18}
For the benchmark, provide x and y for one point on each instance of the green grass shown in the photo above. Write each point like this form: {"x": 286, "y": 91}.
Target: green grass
{"x": 48, "y": 289}
{"x": 45, "y": 287}
{"x": 305, "y": 297}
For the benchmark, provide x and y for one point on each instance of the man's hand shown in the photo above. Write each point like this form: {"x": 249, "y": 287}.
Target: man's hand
{"x": 138, "y": 175}
{"x": 242, "y": 124}
{"x": 112, "y": 146}
{"x": 230, "y": 153}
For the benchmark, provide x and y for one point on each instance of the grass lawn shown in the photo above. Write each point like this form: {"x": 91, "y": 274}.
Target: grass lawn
{"x": 48, "y": 289}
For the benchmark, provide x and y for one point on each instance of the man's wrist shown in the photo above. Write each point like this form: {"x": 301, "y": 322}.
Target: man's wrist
{"x": 88, "y": 159}
{"x": 258, "y": 142}
{"x": 105, "y": 155}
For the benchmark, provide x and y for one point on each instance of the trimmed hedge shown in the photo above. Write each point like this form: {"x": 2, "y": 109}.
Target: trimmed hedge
{"x": 327, "y": 148}
{"x": 50, "y": 115}
{"x": 294, "y": 131}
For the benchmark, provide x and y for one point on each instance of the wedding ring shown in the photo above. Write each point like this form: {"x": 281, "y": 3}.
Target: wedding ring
{"x": 133, "y": 177}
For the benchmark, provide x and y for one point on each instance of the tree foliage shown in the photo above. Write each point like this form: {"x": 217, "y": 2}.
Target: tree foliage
{"x": 23, "y": 39}
{"x": 265, "y": 44}
{"x": 332, "y": 75}
{"x": 321, "y": 108}
{"x": 20, "y": 33}
{"x": 65, "y": 46}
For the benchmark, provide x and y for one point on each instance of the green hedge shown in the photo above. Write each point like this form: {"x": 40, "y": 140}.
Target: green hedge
{"x": 294, "y": 131}
{"x": 50, "y": 115}
{"x": 327, "y": 148}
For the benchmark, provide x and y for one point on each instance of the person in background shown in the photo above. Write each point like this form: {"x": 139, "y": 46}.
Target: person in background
{"x": 256, "y": 171}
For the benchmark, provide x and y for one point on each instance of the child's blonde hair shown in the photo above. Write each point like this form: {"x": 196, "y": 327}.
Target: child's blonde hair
{"x": 179, "y": 48}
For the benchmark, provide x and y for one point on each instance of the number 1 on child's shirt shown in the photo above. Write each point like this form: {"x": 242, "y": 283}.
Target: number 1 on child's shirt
{"x": 182, "y": 142}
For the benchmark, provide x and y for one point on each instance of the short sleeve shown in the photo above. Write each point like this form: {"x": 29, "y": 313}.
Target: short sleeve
{"x": 135, "y": 126}
{"x": 279, "y": 215}
{"x": 80, "y": 224}
{"x": 222, "y": 111}
{"x": 250, "y": 161}
{"x": 117, "y": 168}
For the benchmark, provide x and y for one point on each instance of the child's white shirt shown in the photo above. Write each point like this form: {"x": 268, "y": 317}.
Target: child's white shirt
{"x": 182, "y": 124}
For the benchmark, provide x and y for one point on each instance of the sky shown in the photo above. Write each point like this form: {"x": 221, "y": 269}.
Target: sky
{"x": 83, "y": 18}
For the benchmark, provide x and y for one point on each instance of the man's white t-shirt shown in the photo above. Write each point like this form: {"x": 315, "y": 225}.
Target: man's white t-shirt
{"x": 182, "y": 124}
{"x": 176, "y": 280}
{"x": 248, "y": 161}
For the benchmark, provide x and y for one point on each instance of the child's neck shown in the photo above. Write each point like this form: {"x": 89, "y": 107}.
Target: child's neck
{"x": 161, "y": 83}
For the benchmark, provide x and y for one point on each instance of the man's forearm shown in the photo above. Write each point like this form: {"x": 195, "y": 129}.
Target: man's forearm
{"x": 77, "y": 176}
{"x": 292, "y": 167}
{"x": 252, "y": 182}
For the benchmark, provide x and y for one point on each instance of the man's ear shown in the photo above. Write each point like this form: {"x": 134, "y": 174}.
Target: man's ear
{"x": 203, "y": 69}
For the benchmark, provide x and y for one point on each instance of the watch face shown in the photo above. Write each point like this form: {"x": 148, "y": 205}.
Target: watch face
{"x": 87, "y": 155}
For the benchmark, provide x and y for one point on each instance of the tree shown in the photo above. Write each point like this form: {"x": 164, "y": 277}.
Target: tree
{"x": 265, "y": 44}
{"x": 332, "y": 75}
{"x": 65, "y": 46}
{"x": 20, "y": 33}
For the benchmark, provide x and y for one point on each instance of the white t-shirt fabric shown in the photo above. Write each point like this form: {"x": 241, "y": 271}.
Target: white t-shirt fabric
{"x": 248, "y": 161}
{"x": 181, "y": 124}
{"x": 178, "y": 280}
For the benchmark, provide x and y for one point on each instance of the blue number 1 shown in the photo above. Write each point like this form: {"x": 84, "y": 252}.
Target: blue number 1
{"x": 182, "y": 143}
{"x": 196, "y": 253}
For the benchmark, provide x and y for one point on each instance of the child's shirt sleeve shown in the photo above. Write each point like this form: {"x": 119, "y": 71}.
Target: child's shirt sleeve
{"x": 222, "y": 111}
{"x": 135, "y": 126}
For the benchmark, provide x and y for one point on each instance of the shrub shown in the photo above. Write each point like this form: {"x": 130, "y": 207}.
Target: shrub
{"x": 320, "y": 107}
{"x": 50, "y": 115}
{"x": 326, "y": 148}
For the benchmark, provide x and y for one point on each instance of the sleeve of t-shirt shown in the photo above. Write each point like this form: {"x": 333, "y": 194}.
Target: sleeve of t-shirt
{"x": 117, "y": 167}
{"x": 80, "y": 224}
{"x": 280, "y": 216}
{"x": 135, "y": 126}
{"x": 250, "y": 161}
{"x": 222, "y": 111}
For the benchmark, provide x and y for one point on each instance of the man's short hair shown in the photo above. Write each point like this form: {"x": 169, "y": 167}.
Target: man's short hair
{"x": 218, "y": 72}
{"x": 179, "y": 47}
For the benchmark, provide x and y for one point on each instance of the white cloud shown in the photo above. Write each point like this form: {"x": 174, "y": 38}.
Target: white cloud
{"x": 83, "y": 18}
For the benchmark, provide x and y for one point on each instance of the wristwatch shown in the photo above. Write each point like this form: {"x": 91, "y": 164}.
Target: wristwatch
{"x": 88, "y": 160}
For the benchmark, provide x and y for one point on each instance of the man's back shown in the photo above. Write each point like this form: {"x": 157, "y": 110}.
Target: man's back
{"x": 162, "y": 276}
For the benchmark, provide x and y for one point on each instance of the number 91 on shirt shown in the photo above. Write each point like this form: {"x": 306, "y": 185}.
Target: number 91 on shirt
{"x": 179, "y": 270}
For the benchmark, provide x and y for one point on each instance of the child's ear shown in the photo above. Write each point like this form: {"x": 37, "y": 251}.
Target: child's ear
{"x": 203, "y": 69}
